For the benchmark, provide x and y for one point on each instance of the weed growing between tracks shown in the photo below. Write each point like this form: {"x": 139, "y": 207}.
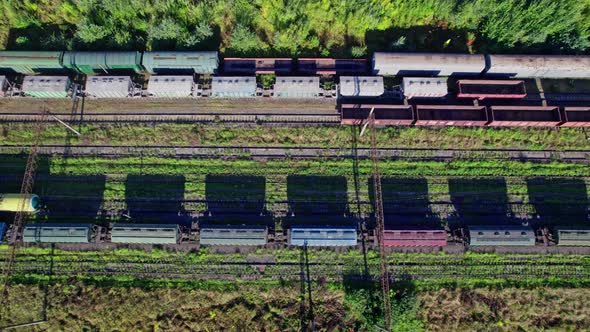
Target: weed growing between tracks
{"x": 334, "y": 167}
{"x": 214, "y": 134}
{"x": 203, "y": 270}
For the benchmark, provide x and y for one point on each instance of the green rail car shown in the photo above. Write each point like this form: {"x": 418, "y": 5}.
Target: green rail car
{"x": 57, "y": 233}
{"x": 92, "y": 63}
{"x": 573, "y": 236}
{"x": 193, "y": 62}
{"x": 145, "y": 233}
{"x": 26, "y": 62}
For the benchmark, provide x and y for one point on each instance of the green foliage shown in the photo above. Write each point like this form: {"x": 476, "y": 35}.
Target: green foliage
{"x": 89, "y": 32}
{"x": 244, "y": 41}
{"x": 405, "y": 306}
{"x": 266, "y": 80}
{"x": 327, "y": 27}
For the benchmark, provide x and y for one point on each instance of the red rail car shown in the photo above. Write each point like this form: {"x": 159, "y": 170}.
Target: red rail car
{"x": 488, "y": 89}
{"x": 385, "y": 115}
{"x": 576, "y": 117}
{"x": 451, "y": 115}
{"x": 414, "y": 237}
{"x": 329, "y": 66}
{"x": 525, "y": 116}
{"x": 257, "y": 65}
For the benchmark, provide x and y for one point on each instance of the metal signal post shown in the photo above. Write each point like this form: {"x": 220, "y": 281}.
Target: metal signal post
{"x": 379, "y": 219}
{"x": 20, "y": 215}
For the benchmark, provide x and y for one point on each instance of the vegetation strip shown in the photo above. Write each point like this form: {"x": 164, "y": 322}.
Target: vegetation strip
{"x": 129, "y": 267}
{"x": 303, "y": 28}
{"x": 328, "y": 137}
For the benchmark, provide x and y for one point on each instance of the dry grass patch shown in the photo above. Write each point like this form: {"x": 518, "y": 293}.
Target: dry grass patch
{"x": 506, "y": 310}
{"x": 248, "y": 308}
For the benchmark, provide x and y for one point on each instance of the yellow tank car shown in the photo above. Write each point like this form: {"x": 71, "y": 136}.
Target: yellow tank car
{"x": 14, "y": 202}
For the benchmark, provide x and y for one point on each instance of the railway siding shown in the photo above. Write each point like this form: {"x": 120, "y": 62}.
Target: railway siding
{"x": 322, "y": 265}
{"x": 272, "y": 152}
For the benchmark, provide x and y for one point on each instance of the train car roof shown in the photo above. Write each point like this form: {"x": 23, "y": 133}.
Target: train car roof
{"x": 235, "y": 235}
{"x": 108, "y": 86}
{"x": 361, "y": 86}
{"x": 233, "y": 86}
{"x": 170, "y": 86}
{"x": 297, "y": 87}
{"x": 501, "y": 235}
{"x": 199, "y": 62}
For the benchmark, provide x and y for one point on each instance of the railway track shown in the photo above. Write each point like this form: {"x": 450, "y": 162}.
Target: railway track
{"x": 292, "y": 270}
{"x": 268, "y": 117}
{"x": 270, "y": 152}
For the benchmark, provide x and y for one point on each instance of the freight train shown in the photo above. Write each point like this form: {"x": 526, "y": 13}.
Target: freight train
{"x": 302, "y": 235}
{"x": 454, "y": 78}
{"x": 383, "y": 63}
{"x": 313, "y": 235}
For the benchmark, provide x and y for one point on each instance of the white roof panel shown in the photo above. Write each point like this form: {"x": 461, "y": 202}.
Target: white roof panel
{"x": 170, "y": 86}
{"x": 233, "y": 86}
{"x": 501, "y": 235}
{"x": 361, "y": 86}
{"x": 46, "y": 83}
{"x": 108, "y": 86}
{"x": 297, "y": 87}
{"x": 425, "y": 87}
{"x": 544, "y": 66}
{"x": 440, "y": 64}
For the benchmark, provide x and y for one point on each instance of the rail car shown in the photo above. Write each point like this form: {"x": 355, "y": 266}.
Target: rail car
{"x": 491, "y": 89}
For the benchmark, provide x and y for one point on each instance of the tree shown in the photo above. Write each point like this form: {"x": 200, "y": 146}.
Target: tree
{"x": 89, "y": 33}
{"x": 244, "y": 41}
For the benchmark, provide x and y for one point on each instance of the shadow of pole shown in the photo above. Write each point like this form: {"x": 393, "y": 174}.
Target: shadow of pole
{"x": 69, "y": 133}
{"x": 302, "y": 292}
{"x": 356, "y": 175}
{"x": 310, "y": 313}
{"x": 355, "y": 168}
{"x": 47, "y": 285}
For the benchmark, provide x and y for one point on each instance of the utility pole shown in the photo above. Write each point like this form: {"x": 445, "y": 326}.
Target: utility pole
{"x": 379, "y": 219}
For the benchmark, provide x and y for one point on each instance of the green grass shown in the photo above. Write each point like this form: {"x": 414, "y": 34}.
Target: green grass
{"x": 415, "y": 137}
